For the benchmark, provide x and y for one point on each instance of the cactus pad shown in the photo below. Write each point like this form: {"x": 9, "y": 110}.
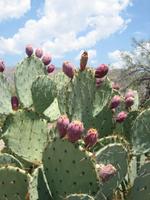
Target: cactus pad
{"x": 69, "y": 170}
{"x": 26, "y": 136}
{"x": 7, "y": 159}
{"x": 79, "y": 197}
{"x": 26, "y": 73}
{"x": 13, "y": 183}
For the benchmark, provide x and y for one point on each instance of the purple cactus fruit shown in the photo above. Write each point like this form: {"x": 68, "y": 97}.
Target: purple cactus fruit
{"x": 101, "y": 71}
{"x": 14, "y": 103}
{"x": 2, "y": 66}
{"x": 68, "y": 69}
{"x": 121, "y": 117}
{"x": 106, "y": 172}
{"x": 115, "y": 86}
{"x": 39, "y": 52}
{"x": 99, "y": 81}
{"x": 115, "y": 102}
{"x": 83, "y": 60}
{"x": 129, "y": 101}
{"x": 47, "y": 59}
{"x": 130, "y": 93}
{"x": 62, "y": 125}
{"x": 50, "y": 68}
{"x": 74, "y": 131}
{"x": 29, "y": 50}
{"x": 91, "y": 138}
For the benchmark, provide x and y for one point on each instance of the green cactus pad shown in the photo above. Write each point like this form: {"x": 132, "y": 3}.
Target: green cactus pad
{"x": 135, "y": 106}
{"x": 26, "y": 136}
{"x": 116, "y": 155}
{"x": 26, "y": 73}
{"x": 42, "y": 93}
{"x": 79, "y": 197}
{"x": 53, "y": 112}
{"x": 14, "y": 183}
{"x": 81, "y": 99}
{"x": 5, "y": 97}
{"x": 7, "y": 159}
{"x": 141, "y": 187}
{"x": 141, "y": 133}
{"x": 38, "y": 187}
{"x": 69, "y": 170}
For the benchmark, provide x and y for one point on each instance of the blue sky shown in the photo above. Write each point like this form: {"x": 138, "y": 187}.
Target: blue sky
{"x": 65, "y": 29}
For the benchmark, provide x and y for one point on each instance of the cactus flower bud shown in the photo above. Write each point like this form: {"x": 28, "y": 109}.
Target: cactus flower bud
{"x": 74, "y": 131}
{"x": 29, "y": 50}
{"x": 39, "y": 52}
{"x": 50, "y": 68}
{"x": 91, "y": 138}
{"x": 62, "y": 125}
{"x": 68, "y": 69}
{"x": 115, "y": 102}
{"x": 46, "y": 59}
{"x": 106, "y": 172}
{"x": 121, "y": 117}
{"x": 101, "y": 71}
{"x": 83, "y": 60}
{"x": 130, "y": 93}
{"x": 2, "y": 66}
{"x": 129, "y": 101}
{"x": 14, "y": 103}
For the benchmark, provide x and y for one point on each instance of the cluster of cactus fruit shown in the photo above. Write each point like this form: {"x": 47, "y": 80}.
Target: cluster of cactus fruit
{"x": 71, "y": 134}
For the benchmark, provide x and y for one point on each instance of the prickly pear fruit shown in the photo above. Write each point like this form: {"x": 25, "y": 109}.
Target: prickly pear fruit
{"x": 74, "y": 131}
{"x": 50, "y": 68}
{"x": 83, "y": 60}
{"x": 115, "y": 86}
{"x": 115, "y": 102}
{"x": 39, "y": 52}
{"x": 130, "y": 93}
{"x": 29, "y": 50}
{"x": 129, "y": 101}
{"x": 106, "y": 172}
{"x": 91, "y": 138}
{"x": 46, "y": 59}
{"x": 14, "y": 103}
{"x": 2, "y": 66}
{"x": 121, "y": 116}
{"x": 68, "y": 69}
{"x": 99, "y": 81}
{"x": 101, "y": 71}
{"x": 62, "y": 125}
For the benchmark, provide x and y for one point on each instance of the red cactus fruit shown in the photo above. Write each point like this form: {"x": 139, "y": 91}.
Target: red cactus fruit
{"x": 75, "y": 130}
{"x": 50, "y": 68}
{"x": 83, "y": 60}
{"x": 99, "y": 81}
{"x": 91, "y": 138}
{"x": 130, "y": 93}
{"x": 15, "y": 103}
{"x": 46, "y": 59}
{"x": 115, "y": 102}
{"x": 121, "y": 117}
{"x": 2, "y": 66}
{"x": 129, "y": 101}
{"x": 68, "y": 69}
{"x": 39, "y": 52}
{"x": 62, "y": 125}
{"x": 29, "y": 50}
{"x": 101, "y": 71}
{"x": 106, "y": 172}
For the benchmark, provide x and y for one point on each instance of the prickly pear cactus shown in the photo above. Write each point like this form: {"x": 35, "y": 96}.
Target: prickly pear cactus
{"x": 69, "y": 170}
{"x": 26, "y": 73}
{"x": 38, "y": 188}
{"x": 14, "y": 183}
{"x": 7, "y": 159}
{"x": 79, "y": 197}
{"x": 26, "y": 136}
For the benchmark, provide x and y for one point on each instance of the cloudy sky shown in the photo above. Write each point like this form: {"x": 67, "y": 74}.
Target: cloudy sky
{"x": 67, "y": 27}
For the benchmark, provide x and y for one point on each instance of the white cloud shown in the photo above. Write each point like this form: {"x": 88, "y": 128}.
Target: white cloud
{"x": 13, "y": 8}
{"x": 115, "y": 59}
{"x": 69, "y": 25}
